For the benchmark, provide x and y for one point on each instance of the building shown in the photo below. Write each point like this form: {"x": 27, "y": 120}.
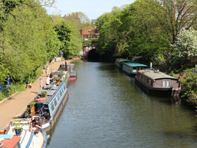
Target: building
{"x": 89, "y": 32}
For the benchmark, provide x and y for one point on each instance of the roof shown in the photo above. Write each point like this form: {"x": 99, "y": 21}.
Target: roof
{"x": 10, "y": 142}
{"x": 59, "y": 74}
{"x": 135, "y": 65}
{"x": 155, "y": 74}
{"x": 93, "y": 20}
{"x": 88, "y": 30}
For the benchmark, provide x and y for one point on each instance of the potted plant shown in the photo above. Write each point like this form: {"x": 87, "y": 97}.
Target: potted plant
{"x": 17, "y": 126}
{"x": 44, "y": 93}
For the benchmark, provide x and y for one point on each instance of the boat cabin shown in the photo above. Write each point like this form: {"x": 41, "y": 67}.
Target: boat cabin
{"x": 120, "y": 61}
{"x": 156, "y": 82}
{"x": 133, "y": 68}
{"x": 158, "y": 79}
{"x": 46, "y": 106}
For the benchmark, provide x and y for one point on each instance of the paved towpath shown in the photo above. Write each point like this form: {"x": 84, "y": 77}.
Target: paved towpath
{"x": 18, "y": 103}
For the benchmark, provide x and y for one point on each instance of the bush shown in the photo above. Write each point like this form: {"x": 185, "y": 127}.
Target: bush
{"x": 13, "y": 89}
{"x": 189, "y": 87}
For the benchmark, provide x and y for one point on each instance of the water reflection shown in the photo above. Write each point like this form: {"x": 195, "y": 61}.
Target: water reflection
{"x": 106, "y": 109}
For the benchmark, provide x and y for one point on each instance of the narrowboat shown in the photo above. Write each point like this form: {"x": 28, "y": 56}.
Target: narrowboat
{"x": 133, "y": 68}
{"x": 9, "y": 137}
{"x": 157, "y": 83}
{"x": 71, "y": 70}
{"x": 120, "y": 61}
{"x": 50, "y": 100}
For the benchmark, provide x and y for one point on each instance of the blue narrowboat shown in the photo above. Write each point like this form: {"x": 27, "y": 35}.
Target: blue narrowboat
{"x": 120, "y": 61}
{"x": 49, "y": 107}
{"x": 133, "y": 68}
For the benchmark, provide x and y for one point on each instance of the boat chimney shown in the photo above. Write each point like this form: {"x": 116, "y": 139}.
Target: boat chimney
{"x": 66, "y": 66}
{"x": 151, "y": 65}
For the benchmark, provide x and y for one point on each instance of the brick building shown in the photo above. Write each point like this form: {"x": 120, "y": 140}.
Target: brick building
{"x": 89, "y": 32}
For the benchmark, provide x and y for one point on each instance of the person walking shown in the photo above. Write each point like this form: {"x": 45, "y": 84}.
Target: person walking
{"x": 48, "y": 80}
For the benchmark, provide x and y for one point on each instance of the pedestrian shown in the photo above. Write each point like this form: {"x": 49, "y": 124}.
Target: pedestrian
{"x": 48, "y": 80}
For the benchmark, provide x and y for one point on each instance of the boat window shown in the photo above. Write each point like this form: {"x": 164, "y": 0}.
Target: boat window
{"x": 62, "y": 88}
{"x": 60, "y": 93}
{"x": 149, "y": 82}
{"x": 166, "y": 83}
{"x": 52, "y": 106}
{"x": 55, "y": 101}
{"x": 58, "y": 98}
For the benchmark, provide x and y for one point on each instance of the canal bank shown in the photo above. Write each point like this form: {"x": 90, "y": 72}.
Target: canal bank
{"x": 18, "y": 103}
{"x": 106, "y": 109}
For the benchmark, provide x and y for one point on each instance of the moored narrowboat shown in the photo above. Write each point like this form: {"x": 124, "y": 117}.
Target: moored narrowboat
{"x": 71, "y": 70}
{"x": 10, "y": 137}
{"x": 49, "y": 107}
{"x": 133, "y": 68}
{"x": 120, "y": 61}
{"x": 157, "y": 83}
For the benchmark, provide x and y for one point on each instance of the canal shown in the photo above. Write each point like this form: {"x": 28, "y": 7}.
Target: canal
{"x": 107, "y": 110}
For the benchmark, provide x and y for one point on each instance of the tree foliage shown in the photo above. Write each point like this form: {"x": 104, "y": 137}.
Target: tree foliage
{"x": 145, "y": 28}
{"x": 27, "y": 39}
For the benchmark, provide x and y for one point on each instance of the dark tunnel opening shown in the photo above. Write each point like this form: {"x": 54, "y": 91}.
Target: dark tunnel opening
{"x": 93, "y": 56}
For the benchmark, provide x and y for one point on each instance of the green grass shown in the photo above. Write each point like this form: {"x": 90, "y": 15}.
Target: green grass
{"x": 13, "y": 89}
{"x": 20, "y": 86}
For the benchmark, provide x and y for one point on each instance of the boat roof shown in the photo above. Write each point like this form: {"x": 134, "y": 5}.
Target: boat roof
{"x": 154, "y": 74}
{"x": 122, "y": 60}
{"x": 57, "y": 74}
{"x": 135, "y": 65}
{"x": 10, "y": 142}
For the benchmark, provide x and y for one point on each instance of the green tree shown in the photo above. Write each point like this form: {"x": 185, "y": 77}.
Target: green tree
{"x": 64, "y": 34}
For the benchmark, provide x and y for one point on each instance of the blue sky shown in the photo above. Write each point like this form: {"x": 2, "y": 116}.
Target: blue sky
{"x": 92, "y": 8}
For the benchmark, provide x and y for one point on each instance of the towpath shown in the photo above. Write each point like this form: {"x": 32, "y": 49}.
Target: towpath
{"x": 18, "y": 103}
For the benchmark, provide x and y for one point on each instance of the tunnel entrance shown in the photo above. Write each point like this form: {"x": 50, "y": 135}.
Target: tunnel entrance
{"x": 93, "y": 56}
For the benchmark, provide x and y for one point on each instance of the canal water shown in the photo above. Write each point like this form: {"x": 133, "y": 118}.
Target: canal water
{"x": 107, "y": 110}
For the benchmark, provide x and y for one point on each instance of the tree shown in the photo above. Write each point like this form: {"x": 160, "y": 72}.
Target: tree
{"x": 79, "y": 17}
{"x": 64, "y": 35}
{"x": 185, "y": 47}
{"x": 27, "y": 39}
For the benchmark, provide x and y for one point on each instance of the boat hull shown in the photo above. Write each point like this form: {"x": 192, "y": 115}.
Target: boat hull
{"x": 49, "y": 124}
{"x": 72, "y": 78}
{"x": 161, "y": 92}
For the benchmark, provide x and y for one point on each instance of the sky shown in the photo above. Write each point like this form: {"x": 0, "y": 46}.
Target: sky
{"x": 91, "y": 8}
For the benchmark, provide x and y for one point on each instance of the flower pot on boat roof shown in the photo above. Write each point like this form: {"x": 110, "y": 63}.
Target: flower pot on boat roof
{"x": 44, "y": 93}
{"x": 17, "y": 126}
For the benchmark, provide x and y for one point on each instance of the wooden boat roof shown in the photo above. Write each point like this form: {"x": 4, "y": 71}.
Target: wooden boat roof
{"x": 156, "y": 74}
{"x": 122, "y": 60}
{"x": 135, "y": 65}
